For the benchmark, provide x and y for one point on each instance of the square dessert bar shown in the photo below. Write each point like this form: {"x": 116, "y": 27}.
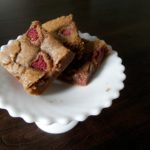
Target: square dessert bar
{"x": 81, "y": 71}
{"x": 65, "y": 30}
{"x": 35, "y": 58}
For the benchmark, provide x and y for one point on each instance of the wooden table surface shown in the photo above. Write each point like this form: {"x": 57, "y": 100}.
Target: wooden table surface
{"x": 123, "y": 24}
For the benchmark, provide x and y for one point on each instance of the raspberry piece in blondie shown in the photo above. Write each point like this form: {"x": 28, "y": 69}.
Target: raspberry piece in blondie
{"x": 42, "y": 62}
{"x": 34, "y": 33}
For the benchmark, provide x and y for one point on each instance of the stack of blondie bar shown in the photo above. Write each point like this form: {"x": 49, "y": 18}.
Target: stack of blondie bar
{"x": 53, "y": 50}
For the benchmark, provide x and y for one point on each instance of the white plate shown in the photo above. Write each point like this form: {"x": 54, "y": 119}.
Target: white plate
{"x": 63, "y": 103}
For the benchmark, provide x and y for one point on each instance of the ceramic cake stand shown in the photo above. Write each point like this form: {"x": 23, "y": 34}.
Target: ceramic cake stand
{"x": 63, "y": 105}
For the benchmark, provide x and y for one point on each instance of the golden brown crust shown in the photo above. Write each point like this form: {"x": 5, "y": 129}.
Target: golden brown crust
{"x": 54, "y": 48}
{"x": 55, "y": 27}
{"x": 9, "y": 54}
{"x": 63, "y": 64}
{"x": 26, "y": 76}
{"x": 30, "y": 76}
{"x": 54, "y": 24}
{"x": 28, "y": 52}
{"x": 39, "y": 87}
{"x": 15, "y": 69}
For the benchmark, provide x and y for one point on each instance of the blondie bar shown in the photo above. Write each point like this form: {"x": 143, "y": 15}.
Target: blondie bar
{"x": 81, "y": 71}
{"x": 36, "y": 58}
{"x": 65, "y": 30}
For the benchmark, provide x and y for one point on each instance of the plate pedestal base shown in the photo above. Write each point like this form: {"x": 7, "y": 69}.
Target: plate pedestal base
{"x": 56, "y": 128}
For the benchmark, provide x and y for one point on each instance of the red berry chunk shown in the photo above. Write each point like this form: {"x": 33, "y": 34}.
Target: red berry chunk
{"x": 66, "y": 31}
{"x": 39, "y": 63}
{"x": 81, "y": 79}
{"x": 99, "y": 54}
{"x": 32, "y": 34}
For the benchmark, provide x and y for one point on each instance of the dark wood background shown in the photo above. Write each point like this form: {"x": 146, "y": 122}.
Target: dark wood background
{"x": 126, "y": 26}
